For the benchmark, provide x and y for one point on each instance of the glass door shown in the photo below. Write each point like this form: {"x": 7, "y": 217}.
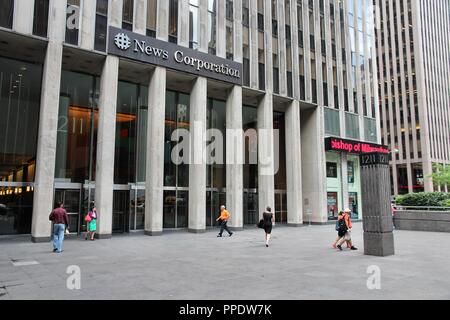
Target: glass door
{"x": 121, "y": 211}
{"x": 71, "y": 198}
{"x": 214, "y": 199}
{"x": 280, "y": 207}
{"x": 251, "y": 214}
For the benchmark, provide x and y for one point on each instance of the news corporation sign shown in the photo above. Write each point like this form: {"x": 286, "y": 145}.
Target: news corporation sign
{"x": 126, "y": 44}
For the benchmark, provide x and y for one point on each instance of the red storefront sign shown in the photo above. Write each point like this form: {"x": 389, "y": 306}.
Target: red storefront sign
{"x": 355, "y": 147}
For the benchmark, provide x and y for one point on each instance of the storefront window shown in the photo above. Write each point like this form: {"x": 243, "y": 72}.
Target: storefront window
{"x": 20, "y": 95}
{"x": 351, "y": 172}
{"x": 77, "y": 128}
{"x": 332, "y": 170}
{"x": 332, "y": 205}
{"x": 353, "y": 205}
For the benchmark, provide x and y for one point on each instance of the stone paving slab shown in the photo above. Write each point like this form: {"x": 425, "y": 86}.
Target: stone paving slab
{"x": 299, "y": 264}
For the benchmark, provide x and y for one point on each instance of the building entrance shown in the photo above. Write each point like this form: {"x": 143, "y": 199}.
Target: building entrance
{"x": 251, "y": 213}
{"x": 280, "y": 206}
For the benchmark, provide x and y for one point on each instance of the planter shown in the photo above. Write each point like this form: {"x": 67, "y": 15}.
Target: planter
{"x": 432, "y": 221}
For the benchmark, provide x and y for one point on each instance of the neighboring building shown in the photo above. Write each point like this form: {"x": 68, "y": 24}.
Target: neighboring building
{"x": 413, "y": 47}
{"x": 91, "y": 92}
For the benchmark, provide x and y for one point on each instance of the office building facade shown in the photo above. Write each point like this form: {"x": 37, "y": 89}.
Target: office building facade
{"x": 413, "y": 52}
{"x": 95, "y": 95}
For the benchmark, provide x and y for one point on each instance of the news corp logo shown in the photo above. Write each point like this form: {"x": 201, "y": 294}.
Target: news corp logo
{"x": 122, "y": 41}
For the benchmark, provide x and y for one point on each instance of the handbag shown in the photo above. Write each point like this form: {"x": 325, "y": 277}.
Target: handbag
{"x": 261, "y": 224}
{"x": 88, "y": 218}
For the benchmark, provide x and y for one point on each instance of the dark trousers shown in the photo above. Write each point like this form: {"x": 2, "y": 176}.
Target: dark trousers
{"x": 223, "y": 226}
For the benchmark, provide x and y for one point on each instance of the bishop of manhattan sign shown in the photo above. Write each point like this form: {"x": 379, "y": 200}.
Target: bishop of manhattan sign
{"x": 126, "y": 44}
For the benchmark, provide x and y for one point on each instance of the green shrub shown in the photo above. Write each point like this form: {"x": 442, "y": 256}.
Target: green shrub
{"x": 424, "y": 199}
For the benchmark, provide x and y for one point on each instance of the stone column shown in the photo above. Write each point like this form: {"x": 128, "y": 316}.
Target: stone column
{"x": 104, "y": 179}
{"x": 183, "y": 23}
{"x": 266, "y": 182}
{"x": 48, "y": 125}
{"x": 235, "y": 158}
{"x": 313, "y": 165}
{"x": 140, "y": 17}
{"x": 88, "y": 25}
{"x": 376, "y": 203}
{"x": 197, "y": 167}
{"x": 294, "y": 165}
{"x": 155, "y": 153}
{"x": 23, "y": 16}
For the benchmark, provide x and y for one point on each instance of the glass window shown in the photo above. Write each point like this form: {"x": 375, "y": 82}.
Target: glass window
{"x": 352, "y": 126}
{"x": 20, "y": 96}
{"x": 101, "y": 25}
{"x": 77, "y": 128}
{"x": 173, "y": 20}
{"x": 6, "y": 13}
{"x": 131, "y": 129}
{"x": 177, "y": 117}
{"x": 40, "y": 21}
{"x": 370, "y": 130}
{"x": 351, "y": 171}
{"x": 194, "y": 24}
{"x": 249, "y": 121}
{"x": 216, "y": 119}
{"x": 151, "y": 17}
{"x": 280, "y": 151}
{"x": 127, "y": 14}
{"x": 212, "y": 26}
{"x": 332, "y": 170}
{"x": 73, "y": 21}
{"x": 332, "y": 123}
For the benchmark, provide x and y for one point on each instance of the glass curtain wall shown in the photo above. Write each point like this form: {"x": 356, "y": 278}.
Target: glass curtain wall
{"x": 176, "y": 176}
{"x": 20, "y": 94}
{"x": 216, "y": 172}
{"x": 130, "y": 157}
{"x": 250, "y": 168}
{"x": 76, "y": 148}
{"x": 280, "y": 175}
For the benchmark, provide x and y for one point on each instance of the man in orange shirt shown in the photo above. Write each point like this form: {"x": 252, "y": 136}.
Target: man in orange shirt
{"x": 224, "y": 216}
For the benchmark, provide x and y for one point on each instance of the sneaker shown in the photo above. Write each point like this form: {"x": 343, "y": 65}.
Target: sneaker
{"x": 219, "y": 236}
{"x": 353, "y": 248}
{"x": 267, "y": 245}
{"x": 54, "y": 250}
{"x": 231, "y": 234}
{"x": 339, "y": 247}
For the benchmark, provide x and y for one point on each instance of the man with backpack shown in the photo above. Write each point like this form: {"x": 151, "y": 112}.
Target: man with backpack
{"x": 344, "y": 232}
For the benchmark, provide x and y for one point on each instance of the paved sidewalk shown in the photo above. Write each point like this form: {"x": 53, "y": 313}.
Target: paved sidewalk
{"x": 300, "y": 264}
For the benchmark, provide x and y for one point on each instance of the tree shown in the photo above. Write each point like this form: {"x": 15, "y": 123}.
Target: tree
{"x": 441, "y": 175}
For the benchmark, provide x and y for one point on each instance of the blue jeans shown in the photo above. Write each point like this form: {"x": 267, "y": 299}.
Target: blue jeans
{"x": 58, "y": 236}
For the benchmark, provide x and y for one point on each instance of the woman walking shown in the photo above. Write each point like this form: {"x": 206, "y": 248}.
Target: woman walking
{"x": 91, "y": 220}
{"x": 268, "y": 220}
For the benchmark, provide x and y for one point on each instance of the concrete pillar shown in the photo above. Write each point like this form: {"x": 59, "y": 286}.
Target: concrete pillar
{"x": 235, "y": 158}
{"x": 313, "y": 165}
{"x": 203, "y": 26}
{"x": 237, "y": 28}
{"x": 115, "y": 8}
{"x": 104, "y": 179}
{"x": 23, "y": 16}
{"x": 253, "y": 8}
{"x": 48, "y": 123}
{"x": 344, "y": 181}
{"x": 162, "y": 25}
{"x": 376, "y": 196}
{"x": 155, "y": 153}
{"x": 88, "y": 25}
{"x": 140, "y": 16}
{"x": 197, "y": 167}
{"x": 183, "y": 23}
{"x": 294, "y": 165}
{"x": 266, "y": 181}
{"x": 221, "y": 42}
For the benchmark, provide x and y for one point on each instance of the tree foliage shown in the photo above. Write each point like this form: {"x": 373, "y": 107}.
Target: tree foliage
{"x": 441, "y": 175}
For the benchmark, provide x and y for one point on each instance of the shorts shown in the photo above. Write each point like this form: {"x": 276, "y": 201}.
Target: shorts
{"x": 341, "y": 233}
{"x": 348, "y": 236}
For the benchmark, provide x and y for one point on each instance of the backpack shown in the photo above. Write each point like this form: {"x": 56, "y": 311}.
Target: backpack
{"x": 342, "y": 225}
